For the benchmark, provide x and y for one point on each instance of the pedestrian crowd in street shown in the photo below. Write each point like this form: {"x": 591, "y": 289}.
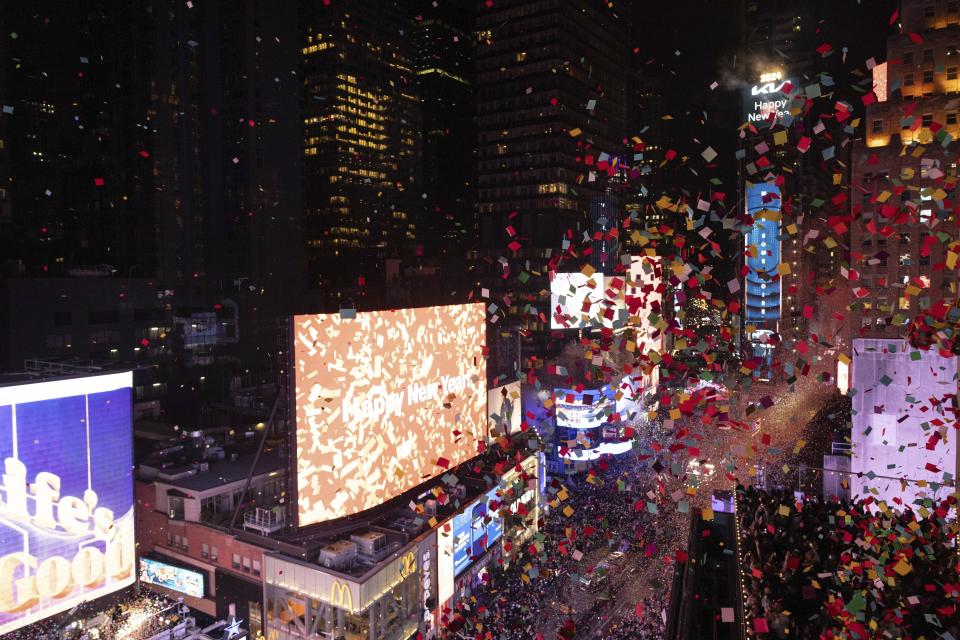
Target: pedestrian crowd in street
{"x": 825, "y": 570}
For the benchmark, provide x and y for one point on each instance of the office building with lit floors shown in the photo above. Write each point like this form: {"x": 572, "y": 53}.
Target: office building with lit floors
{"x": 905, "y": 177}
{"x": 362, "y": 142}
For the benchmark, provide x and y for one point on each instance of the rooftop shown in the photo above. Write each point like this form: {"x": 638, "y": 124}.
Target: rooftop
{"x": 223, "y": 472}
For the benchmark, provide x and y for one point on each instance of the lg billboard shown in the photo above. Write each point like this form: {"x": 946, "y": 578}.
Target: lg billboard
{"x": 381, "y": 398}
{"x": 66, "y": 500}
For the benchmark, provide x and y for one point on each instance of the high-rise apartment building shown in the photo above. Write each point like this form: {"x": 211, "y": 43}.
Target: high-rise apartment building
{"x": 551, "y": 118}
{"x": 361, "y": 113}
{"x": 905, "y": 175}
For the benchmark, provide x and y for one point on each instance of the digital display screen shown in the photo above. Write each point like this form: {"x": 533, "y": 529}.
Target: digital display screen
{"x": 462, "y": 541}
{"x": 495, "y": 526}
{"x": 503, "y": 409}
{"x": 575, "y": 300}
{"x": 763, "y": 255}
{"x": 171, "y": 577}
{"x": 381, "y": 398}
{"x": 444, "y": 563}
{"x": 66, "y": 500}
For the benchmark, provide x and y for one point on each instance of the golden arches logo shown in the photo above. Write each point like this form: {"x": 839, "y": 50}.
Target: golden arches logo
{"x": 408, "y": 565}
{"x": 341, "y": 596}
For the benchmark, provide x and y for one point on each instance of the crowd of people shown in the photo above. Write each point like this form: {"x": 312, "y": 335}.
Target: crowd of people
{"x": 534, "y": 591}
{"x": 138, "y": 617}
{"x": 824, "y": 570}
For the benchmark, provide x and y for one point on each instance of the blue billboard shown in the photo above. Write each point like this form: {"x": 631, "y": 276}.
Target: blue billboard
{"x": 175, "y": 578}
{"x": 475, "y": 530}
{"x": 762, "y": 290}
{"x": 462, "y": 540}
{"x": 67, "y": 508}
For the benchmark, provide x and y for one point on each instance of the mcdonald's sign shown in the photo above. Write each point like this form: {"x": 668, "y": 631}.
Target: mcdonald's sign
{"x": 341, "y": 596}
{"x": 408, "y": 565}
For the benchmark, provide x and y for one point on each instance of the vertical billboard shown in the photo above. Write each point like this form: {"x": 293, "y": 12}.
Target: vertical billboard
{"x": 66, "y": 501}
{"x": 904, "y": 445}
{"x": 445, "y": 543}
{"x": 384, "y": 400}
{"x": 762, "y": 290}
{"x": 503, "y": 409}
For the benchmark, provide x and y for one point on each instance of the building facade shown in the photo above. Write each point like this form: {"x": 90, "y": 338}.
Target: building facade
{"x": 362, "y": 146}
{"x": 905, "y": 176}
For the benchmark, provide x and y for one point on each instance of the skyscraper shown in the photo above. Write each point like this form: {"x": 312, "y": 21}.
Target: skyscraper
{"x": 905, "y": 176}
{"x": 360, "y": 108}
{"x": 551, "y": 117}
{"x": 444, "y": 43}
{"x": 157, "y": 140}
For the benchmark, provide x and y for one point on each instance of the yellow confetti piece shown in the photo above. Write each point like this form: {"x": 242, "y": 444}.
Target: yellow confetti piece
{"x": 568, "y": 511}
{"x": 903, "y": 567}
{"x": 575, "y": 132}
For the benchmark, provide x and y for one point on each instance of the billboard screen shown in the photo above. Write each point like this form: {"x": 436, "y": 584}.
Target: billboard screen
{"x": 644, "y": 298}
{"x": 476, "y": 529}
{"x": 66, "y": 512}
{"x": 444, "y": 563}
{"x": 583, "y": 410}
{"x": 503, "y": 409}
{"x": 462, "y": 540}
{"x": 575, "y": 300}
{"x": 384, "y": 400}
{"x": 903, "y": 449}
{"x": 769, "y": 99}
{"x": 762, "y": 290}
{"x": 171, "y": 577}
{"x": 492, "y": 530}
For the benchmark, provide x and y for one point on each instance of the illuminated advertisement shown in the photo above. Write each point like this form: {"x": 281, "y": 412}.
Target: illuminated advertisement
{"x": 644, "y": 298}
{"x": 67, "y": 509}
{"x": 384, "y": 400}
{"x": 904, "y": 452}
{"x": 494, "y": 528}
{"x": 769, "y": 98}
{"x": 444, "y": 563}
{"x": 584, "y": 410}
{"x": 475, "y": 530}
{"x": 575, "y": 300}
{"x": 762, "y": 290}
{"x": 171, "y": 577}
{"x": 462, "y": 540}
{"x": 503, "y": 409}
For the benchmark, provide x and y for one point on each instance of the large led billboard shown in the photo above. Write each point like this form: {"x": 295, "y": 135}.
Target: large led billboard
{"x": 584, "y": 410}
{"x": 575, "y": 300}
{"x": 762, "y": 290}
{"x": 904, "y": 447}
{"x": 476, "y": 529}
{"x": 67, "y": 508}
{"x": 175, "y": 578}
{"x": 462, "y": 540}
{"x": 769, "y": 99}
{"x": 384, "y": 400}
{"x": 644, "y": 299}
{"x": 503, "y": 409}
{"x": 444, "y": 563}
